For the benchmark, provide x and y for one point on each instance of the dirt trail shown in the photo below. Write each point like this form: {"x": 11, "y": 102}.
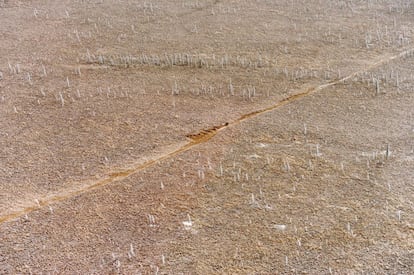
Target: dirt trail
{"x": 194, "y": 140}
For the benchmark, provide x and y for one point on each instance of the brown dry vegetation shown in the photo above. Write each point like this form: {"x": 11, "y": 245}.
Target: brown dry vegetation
{"x": 202, "y": 137}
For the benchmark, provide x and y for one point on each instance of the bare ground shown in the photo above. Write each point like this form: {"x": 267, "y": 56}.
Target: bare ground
{"x": 208, "y": 137}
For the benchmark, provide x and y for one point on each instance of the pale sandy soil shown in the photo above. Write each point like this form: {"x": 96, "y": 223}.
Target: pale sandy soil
{"x": 206, "y": 137}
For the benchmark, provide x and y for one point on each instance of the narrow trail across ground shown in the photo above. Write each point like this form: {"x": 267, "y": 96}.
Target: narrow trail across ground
{"x": 194, "y": 139}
